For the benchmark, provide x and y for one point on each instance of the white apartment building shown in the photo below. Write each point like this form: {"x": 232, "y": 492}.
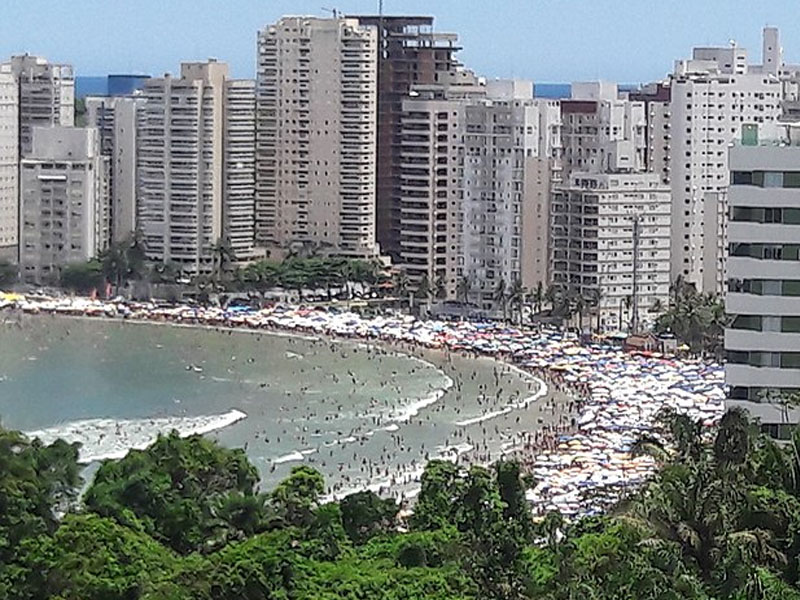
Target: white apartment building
{"x": 46, "y": 96}
{"x": 601, "y": 131}
{"x": 316, "y": 136}
{"x": 716, "y": 99}
{"x": 183, "y": 166}
{"x": 239, "y": 168}
{"x": 593, "y": 218}
{"x": 9, "y": 164}
{"x": 763, "y": 299}
{"x": 64, "y": 192}
{"x": 116, "y": 119}
{"x": 476, "y": 162}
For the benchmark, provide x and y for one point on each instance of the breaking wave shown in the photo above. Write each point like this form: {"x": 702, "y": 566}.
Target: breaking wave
{"x": 114, "y": 438}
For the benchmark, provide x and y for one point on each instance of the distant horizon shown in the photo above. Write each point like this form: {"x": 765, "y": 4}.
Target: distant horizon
{"x": 542, "y": 40}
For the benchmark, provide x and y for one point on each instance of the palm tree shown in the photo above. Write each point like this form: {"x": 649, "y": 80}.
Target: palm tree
{"x": 551, "y": 296}
{"x": 463, "y": 288}
{"x": 440, "y": 287}
{"x": 222, "y": 256}
{"x": 538, "y": 297}
{"x": 401, "y": 283}
{"x": 594, "y": 298}
{"x": 577, "y": 305}
{"x": 501, "y": 297}
{"x": 423, "y": 288}
{"x": 516, "y": 297}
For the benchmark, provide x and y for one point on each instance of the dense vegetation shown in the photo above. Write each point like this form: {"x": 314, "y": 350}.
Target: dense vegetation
{"x": 185, "y": 520}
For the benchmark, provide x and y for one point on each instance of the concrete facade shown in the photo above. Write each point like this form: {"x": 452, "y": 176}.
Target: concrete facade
{"x": 180, "y": 167}
{"x": 593, "y": 241}
{"x": 46, "y": 96}
{"x": 411, "y": 54}
{"x": 316, "y": 137}
{"x": 239, "y": 168}
{"x": 9, "y": 164}
{"x": 64, "y": 191}
{"x": 762, "y": 342}
{"x": 716, "y": 98}
{"x": 116, "y": 119}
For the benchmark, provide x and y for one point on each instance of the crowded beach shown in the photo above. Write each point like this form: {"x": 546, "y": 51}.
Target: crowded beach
{"x": 581, "y": 462}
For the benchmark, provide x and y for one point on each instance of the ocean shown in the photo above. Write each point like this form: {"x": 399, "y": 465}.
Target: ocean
{"x": 365, "y": 416}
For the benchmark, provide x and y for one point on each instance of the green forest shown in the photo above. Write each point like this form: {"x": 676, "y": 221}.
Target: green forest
{"x": 185, "y": 519}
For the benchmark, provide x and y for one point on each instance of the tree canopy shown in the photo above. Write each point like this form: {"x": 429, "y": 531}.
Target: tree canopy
{"x": 185, "y": 520}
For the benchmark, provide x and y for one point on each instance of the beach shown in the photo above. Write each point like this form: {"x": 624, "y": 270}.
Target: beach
{"x": 574, "y": 434}
{"x": 366, "y": 415}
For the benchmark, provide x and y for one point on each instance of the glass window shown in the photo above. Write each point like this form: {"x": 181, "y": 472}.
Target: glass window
{"x": 773, "y": 179}
{"x": 750, "y": 322}
{"x": 791, "y": 216}
{"x": 742, "y": 178}
{"x": 790, "y": 360}
{"x": 790, "y": 325}
{"x": 770, "y": 323}
{"x": 769, "y": 287}
{"x": 791, "y": 179}
{"x": 791, "y": 287}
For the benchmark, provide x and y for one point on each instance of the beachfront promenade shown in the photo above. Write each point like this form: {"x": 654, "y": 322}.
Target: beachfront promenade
{"x": 581, "y": 465}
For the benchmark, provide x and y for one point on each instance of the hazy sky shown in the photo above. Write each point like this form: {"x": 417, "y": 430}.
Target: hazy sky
{"x": 543, "y": 40}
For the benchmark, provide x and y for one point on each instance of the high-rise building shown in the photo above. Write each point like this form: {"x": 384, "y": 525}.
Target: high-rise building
{"x": 476, "y": 162}
{"x": 656, "y": 98}
{"x": 116, "y": 119}
{"x": 716, "y": 99}
{"x": 64, "y": 190}
{"x": 316, "y": 136}
{"x": 239, "y": 168}
{"x": 602, "y": 132}
{"x": 611, "y": 244}
{"x": 184, "y": 164}
{"x": 9, "y": 164}
{"x": 762, "y": 342}
{"x": 410, "y": 53}
{"x": 46, "y": 96}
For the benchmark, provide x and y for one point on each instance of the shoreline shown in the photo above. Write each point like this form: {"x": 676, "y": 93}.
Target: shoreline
{"x": 598, "y": 400}
{"x": 454, "y": 365}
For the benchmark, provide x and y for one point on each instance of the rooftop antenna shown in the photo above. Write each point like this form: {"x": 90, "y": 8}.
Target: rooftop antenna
{"x": 334, "y": 12}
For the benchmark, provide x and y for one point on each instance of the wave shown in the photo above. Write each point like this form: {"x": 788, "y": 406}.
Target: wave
{"x": 407, "y": 411}
{"x": 102, "y": 439}
{"x": 291, "y": 457}
{"x": 524, "y": 403}
{"x": 485, "y": 417}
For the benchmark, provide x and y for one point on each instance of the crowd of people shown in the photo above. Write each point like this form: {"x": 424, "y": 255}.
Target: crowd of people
{"x": 601, "y": 398}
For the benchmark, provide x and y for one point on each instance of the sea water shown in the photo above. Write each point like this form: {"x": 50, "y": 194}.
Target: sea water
{"x": 364, "y": 415}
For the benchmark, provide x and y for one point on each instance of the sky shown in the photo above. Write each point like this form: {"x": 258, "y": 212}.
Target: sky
{"x": 628, "y": 41}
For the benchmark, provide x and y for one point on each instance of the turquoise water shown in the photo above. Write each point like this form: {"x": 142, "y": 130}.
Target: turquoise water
{"x": 359, "y": 413}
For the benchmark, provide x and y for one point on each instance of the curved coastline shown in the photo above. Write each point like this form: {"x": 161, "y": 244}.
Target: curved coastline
{"x": 583, "y": 462}
{"x": 401, "y": 483}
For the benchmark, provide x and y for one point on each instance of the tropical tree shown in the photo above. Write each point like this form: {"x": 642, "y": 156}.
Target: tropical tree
{"x": 173, "y": 490}
{"x": 440, "y": 287}
{"x": 500, "y": 296}
{"x": 516, "y": 298}
{"x": 9, "y": 274}
{"x": 594, "y": 299}
{"x": 463, "y": 288}
{"x": 83, "y": 277}
{"x": 423, "y": 291}
{"x": 365, "y": 515}
{"x": 539, "y": 297}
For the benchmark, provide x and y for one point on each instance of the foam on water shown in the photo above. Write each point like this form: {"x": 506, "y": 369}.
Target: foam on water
{"x": 522, "y": 404}
{"x": 291, "y": 457}
{"x": 113, "y": 438}
{"x": 405, "y": 412}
